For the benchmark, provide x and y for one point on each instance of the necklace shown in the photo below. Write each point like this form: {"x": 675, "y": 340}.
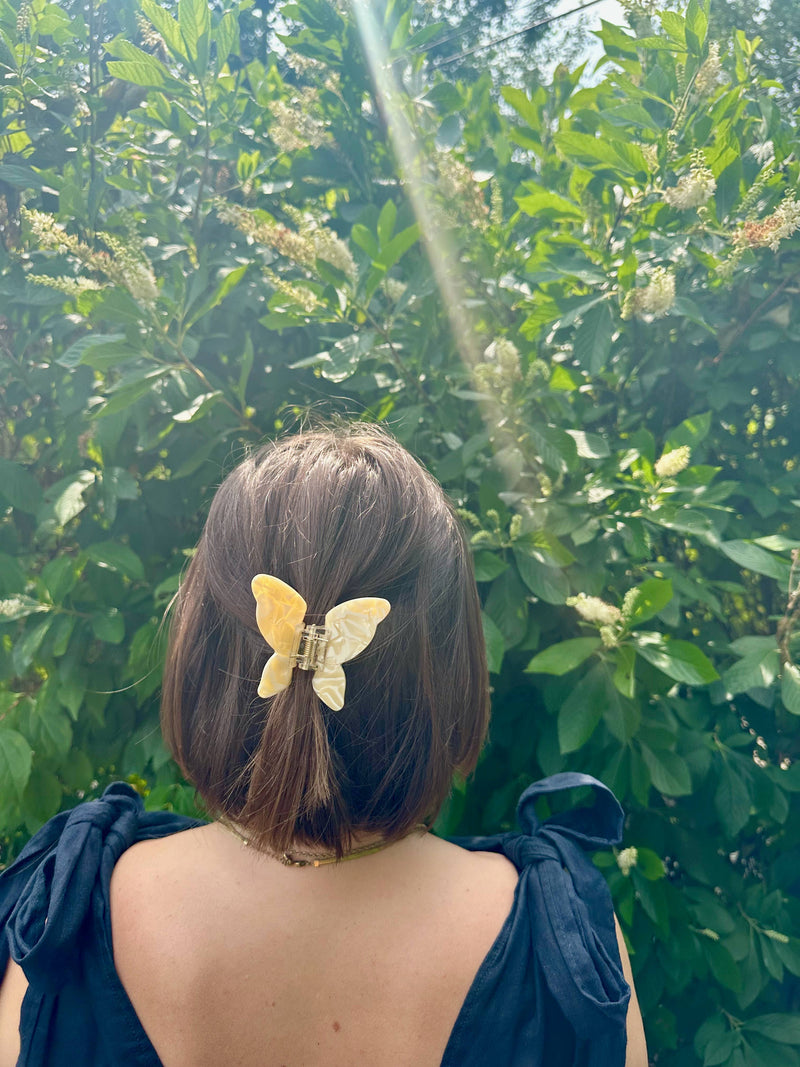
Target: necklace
{"x": 300, "y": 858}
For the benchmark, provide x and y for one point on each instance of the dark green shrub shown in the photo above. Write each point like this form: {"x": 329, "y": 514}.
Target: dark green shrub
{"x": 578, "y": 308}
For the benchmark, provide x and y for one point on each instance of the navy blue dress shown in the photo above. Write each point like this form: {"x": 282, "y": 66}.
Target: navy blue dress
{"x": 550, "y": 992}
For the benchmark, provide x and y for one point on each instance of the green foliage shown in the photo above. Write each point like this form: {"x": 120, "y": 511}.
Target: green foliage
{"x": 777, "y": 27}
{"x": 577, "y": 307}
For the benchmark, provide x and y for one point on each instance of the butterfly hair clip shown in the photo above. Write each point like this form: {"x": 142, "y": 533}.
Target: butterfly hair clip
{"x": 347, "y": 630}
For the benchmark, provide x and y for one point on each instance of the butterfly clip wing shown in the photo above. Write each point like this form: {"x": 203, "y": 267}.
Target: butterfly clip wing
{"x": 279, "y": 613}
{"x": 349, "y": 628}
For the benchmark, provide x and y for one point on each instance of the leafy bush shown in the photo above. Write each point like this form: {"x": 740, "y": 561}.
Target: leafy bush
{"x": 574, "y": 303}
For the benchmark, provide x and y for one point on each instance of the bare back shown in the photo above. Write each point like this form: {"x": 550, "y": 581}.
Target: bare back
{"x": 229, "y": 957}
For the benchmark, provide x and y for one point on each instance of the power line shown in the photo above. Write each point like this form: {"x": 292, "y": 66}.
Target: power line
{"x": 462, "y": 32}
{"x": 515, "y": 33}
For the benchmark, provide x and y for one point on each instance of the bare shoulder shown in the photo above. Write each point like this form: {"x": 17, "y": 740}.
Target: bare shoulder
{"x": 12, "y": 991}
{"x": 489, "y": 879}
{"x": 140, "y": 884}
{"x": 149, "y": 868}
{"x": 495, "y": 869}
{"x": 149, "y": 903}
{"x": 136, "y": 869}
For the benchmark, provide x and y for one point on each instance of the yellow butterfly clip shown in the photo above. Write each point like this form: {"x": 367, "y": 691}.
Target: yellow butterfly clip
{"x": 347, "y": 630}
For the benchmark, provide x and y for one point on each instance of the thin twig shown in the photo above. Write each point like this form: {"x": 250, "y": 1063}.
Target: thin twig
{"x": 726, "y": 347}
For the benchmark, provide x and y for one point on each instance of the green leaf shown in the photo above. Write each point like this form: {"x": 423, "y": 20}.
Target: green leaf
{"x": 386, "y": 222}
{"x": 108, "y": 626}
{"x": 63, "y": 501}
{"x": 76, "y": 770}
{"x": 560, "y": 378}
{"x": 563, "y": 657}
{"x": 674, "y": 25}
{"x": 752, "y": 644}
{"x": 18, "y": 174}
{"x": 650, "y": 864}
{"x": 622, "y": 715}
{"x": 555, "y": 448}
{"x": 245, "y": 367}
{"x": 400, "y": 35}
{"x": 118, "y": 557}
{"x": 72, "y": 684}
{"x": 42, "y": 797}
{"x": 589, "y": 445}
{"x": 776, "y": 543}
{"x": 691, "y": 432}
{"x": 755, "y": 670}
{"x": 194, "y": 22}
{"x": 782, "y": 1028}
{"x": 53, "y": 728}
{"x": 543, "y": 202}
{"x": 365, "y": 240}
{"x": 488, "y": 566}
{"x": 227, "y": 285}
{"x": 444, "y": 96}
{"x": 723, "y": 966}
{"x": 599, "y": 152}
{"x": 522, "y": 104}
{"x": 390, "y": 253}
{"x": 653, "y": 595}
{"x": 132, "y": 389}
{"x": 679, "y": 660}
{"x": 117, "y": 484}
{"x": 669, "y": 772}
{"x": 12, "y": 576}
{"x": 166, "y": 25}
{"x": 696, "y": 26}
{"x": 226, "y": 36}
{"x": 495, "y": 643}
{"x": 790, "y": 688}
{"x": 708, "y": 912}
{"x": 145, "y": 70}
{"x": 548, "y": 583}
{"x": 15, "y": 763}
{"x": 752, "y": 558}
{"x": 616, "y": 40}
{"x": 652, "y": 897}
{"x": 625, "y": 672}
{"x": 789, "y": 953}
{"x": 198, "y": 407}
{"x": 710, "y": 1030}
{"x": 19, "y": 487}
{"x": 719, "y": 1048}
{"x": 732, "y": 800}
{"x": 575, "y": 311}
{"x": 592, "y": 344}
{"x": 60, "y": 633}
{"x": 76, "y": 352}
{"x": 507, "y": 606}
{"x": 26, "y": 646}
{"x": 582, "y": 710}
{"x": 109, "y": 354}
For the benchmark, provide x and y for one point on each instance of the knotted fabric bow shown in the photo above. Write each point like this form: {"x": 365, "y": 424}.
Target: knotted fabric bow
{"x": 347, "y": 630}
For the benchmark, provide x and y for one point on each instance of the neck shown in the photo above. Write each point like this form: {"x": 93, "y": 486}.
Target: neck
{"x": 304, "y": 856}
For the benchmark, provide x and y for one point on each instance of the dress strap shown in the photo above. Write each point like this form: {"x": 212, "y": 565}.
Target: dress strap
{"x": 597, "y": 827}
{"x": 571, "y": 912}
{"x": 46, "y": 894}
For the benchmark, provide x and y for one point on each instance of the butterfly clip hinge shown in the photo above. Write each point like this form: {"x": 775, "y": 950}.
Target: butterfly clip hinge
{"x": 308, "y": 649}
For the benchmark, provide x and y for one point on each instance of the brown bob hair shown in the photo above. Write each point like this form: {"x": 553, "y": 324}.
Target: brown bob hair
{"x": 337, "y": 514}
